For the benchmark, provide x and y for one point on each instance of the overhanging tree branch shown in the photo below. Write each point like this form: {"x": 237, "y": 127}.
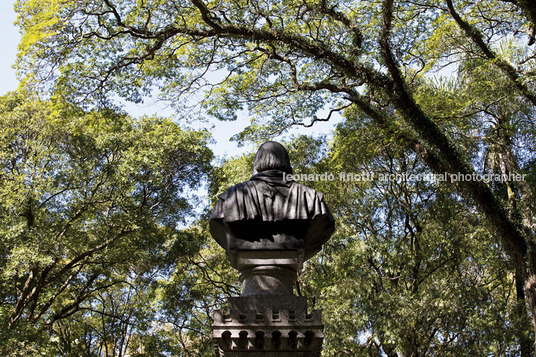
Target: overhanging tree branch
{"x": 504, "y": 66}
{"x": 509, "y": 232}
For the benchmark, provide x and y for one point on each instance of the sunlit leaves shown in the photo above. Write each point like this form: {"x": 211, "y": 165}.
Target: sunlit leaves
{"x": 91, "y": 205}
{"x": 409, "y": 271}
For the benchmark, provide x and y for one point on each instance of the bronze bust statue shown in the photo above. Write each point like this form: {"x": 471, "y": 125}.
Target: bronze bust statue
{"x": 271, "y": 212}
{"x": 269, "y": 225}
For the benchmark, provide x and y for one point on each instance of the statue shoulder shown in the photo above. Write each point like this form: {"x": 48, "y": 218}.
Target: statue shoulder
{"x": 300, "y": 189}
{"x": 238, "y": 202}
{"x": 239, "y": 188}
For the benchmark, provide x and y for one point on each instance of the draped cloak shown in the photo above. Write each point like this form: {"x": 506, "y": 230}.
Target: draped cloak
{"x": 271, "y": 212}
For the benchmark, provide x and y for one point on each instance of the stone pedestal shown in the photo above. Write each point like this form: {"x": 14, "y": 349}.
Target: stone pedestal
{"x": 267, "y": 326}
{"x": 267, "y": 319}
{"x": 271, "y": 272}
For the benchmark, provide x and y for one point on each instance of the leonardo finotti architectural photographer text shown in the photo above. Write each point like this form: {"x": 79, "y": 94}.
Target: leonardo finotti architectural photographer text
{"x": 371, "y": 176}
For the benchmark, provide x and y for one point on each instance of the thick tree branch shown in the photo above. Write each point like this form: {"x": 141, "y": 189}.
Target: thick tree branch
{"x": 23, "y": 299}
{"x": 342, "y": 18}
{"x": 306, "y": 46}
{"x": 207, "y": 16}
{"x": 451, "y": 159}
{"x": 51, "y": 300}
{"x": 504, "y": 66}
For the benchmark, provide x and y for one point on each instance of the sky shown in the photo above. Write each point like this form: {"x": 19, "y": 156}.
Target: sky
{"x": 222, "y": 132}
{"x": 8, "y": 45}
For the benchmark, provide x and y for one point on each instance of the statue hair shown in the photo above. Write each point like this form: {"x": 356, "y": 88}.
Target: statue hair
{"x": 272, "y": 156}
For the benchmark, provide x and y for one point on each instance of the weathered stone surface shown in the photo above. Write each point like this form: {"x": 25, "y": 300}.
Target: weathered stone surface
{"x": 268, "y": 272}
{"x": 264, "y": 326}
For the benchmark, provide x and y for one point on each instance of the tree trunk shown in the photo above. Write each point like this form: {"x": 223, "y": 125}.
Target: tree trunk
{"x": 521, "y": 314}
{"x": 530, "y": 292}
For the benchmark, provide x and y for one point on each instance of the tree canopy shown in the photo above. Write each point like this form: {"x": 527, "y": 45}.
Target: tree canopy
{"x": 437, "y": 87}
{"x": 91, "y": 203}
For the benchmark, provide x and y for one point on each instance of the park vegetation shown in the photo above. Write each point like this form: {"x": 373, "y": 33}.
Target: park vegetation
{"x": 105, "y": 250}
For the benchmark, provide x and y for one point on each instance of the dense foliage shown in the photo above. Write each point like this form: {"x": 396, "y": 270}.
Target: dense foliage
{"x": 90, "y": 205}
{"x": 424, "y": 87}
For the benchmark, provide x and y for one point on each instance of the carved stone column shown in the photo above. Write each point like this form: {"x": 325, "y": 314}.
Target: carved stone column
{"x": 264, "y": 326}
{"x": 267, "y": 319}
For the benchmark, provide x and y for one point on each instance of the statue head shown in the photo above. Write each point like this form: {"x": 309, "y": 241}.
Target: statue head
{"x": 272, "y": 156}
